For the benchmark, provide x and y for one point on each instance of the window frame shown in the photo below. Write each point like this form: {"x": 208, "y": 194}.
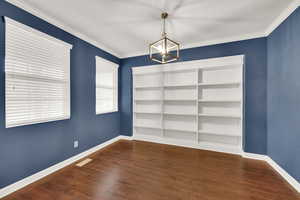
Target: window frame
{"x": 115, "y": 68}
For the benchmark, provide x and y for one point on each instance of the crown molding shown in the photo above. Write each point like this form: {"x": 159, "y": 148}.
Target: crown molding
{"x": 205, "y": 43}
{"x": 21, "y": 4}
{"x": 278, "y": 20}
{"x": 283, "y": 16}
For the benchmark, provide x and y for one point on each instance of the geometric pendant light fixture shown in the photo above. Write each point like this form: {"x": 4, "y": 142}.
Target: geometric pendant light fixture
{"x": 164, "y": 50}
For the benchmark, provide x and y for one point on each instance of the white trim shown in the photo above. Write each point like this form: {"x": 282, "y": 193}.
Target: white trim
{"x": 32, "y": 122}
{"x": 254, "y": 156}
{"x": 226, "y": 61}
{"x": 205, "y": 43}
{"x": 283, "y": 16}
{"x": 286, "y": 13}
{"x": 21, "y": 4}
{"x": 106, "y": 112}
{"x": 226, "y": 40}
{"x": 108, "y": 62}
{"x": 35, "y": 177}
{"x": 293, "y": 182}
{"x": 265, "y": 33}
{"x": 284, "y": 174}
{"x": 124, "y": 137}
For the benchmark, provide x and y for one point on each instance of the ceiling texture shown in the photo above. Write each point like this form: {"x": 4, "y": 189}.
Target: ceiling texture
{"x": 125, "y": 28}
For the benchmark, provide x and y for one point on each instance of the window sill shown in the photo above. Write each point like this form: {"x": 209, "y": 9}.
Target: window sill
{"x": 34, "y": 122}
{"x": 106, "y": 112}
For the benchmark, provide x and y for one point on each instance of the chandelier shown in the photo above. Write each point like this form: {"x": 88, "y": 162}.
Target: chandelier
{"x": 164, "y": 50}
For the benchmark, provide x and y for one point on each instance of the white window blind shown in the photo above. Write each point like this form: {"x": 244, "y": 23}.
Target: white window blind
{"x": 106, "y": 86}
{"x": 37, "y": 75}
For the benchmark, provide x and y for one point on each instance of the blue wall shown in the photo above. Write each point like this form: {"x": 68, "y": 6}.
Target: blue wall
{"x": 284, "y": 95}
{"x": 271, "y": 63}
{"x": 29, "y": 149}
{"x": 256, "y": 74}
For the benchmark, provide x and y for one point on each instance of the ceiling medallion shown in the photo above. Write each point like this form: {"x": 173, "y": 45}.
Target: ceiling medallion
{"x": 164, "y": 50}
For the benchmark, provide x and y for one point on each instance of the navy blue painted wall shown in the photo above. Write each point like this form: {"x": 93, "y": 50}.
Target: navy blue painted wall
{"x": 28, "y": 149}
{"x": 283, "y": 97}
{"x": 272, "y": 71}
{"x": 256, "y": 74}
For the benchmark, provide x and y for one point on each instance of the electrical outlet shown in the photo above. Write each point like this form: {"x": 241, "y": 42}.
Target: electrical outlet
{"x": 76, "y": 144}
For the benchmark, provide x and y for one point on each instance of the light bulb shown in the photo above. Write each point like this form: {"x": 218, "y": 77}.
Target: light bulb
{"x": 162, "y": 50}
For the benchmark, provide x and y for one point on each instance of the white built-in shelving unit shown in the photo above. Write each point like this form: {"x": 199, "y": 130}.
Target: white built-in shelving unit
{"x": 196, "y": 104}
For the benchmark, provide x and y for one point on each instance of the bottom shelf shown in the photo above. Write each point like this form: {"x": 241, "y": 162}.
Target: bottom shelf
{"x": 210, "y": 146}
{"x": 224, "y": 148}
{"x": 151, "y": 132}
{"x": 220, "y": 133}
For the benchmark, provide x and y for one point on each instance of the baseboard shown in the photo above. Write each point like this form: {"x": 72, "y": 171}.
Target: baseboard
{"x": 284, "y": 174}
{"x": 293, "y": 182}
{"x": 124, "y": 137}
{"x": 254, "y": 156}
{"x": 35, "y": 177}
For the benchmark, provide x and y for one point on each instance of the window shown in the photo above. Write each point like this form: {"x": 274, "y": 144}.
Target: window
{"x": 37, "y": 76}
{"x": 106, "y": 86}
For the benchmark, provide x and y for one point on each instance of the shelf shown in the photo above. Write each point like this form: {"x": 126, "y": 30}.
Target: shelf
{"x": 105, "y": 86}
{"x": 220, "y": 101}
{"x": 209, "y": 132}
{"x": 181, "y": 130}
{"x": 219, "y": 84}
{"x": 148, "y": 100}
{"x": 149, "y": 127}
{"x": 180, "y": 86}
{"x": 151, "y": 113}
{"x": 220, "y": 115}
{"x": 148, "y": 87}
{"x": 167, "y": 129}
{"x": 181, "y": 114}
{"x": 180, "y": 100}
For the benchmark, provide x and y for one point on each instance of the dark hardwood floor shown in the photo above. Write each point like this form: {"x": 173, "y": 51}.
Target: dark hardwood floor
{"x": 131, "y": 170}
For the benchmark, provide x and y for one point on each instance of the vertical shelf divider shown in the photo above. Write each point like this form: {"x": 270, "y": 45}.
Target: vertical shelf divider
{"x": 162, "y": 103}
{"x": 242, "y": 105}
{"x": 133, "y": 103}
{"x": 197, "y": 105}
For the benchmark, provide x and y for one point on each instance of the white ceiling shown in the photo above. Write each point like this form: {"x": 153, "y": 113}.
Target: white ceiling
{"x": 125, "y": 28}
